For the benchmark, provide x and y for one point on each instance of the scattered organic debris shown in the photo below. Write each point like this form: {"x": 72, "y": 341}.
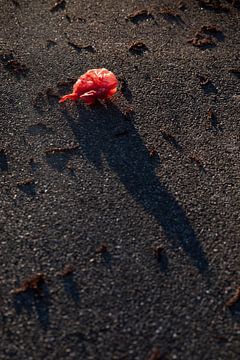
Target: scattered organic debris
{"x": 158, "y": 250}
{"x": 138, "y": 47}
{"x": 32, "y": 283}
{"x": 155, "y": 354}
{"x": 197, "y": 162}
{"x": 234, "y": 299}
{"x": 59, "y": 5}
{"x": 16, "y": 3}
{"x": 129, "y": 113}
{"x": 213, "y": 5}
{"x": 124, "y": 89}
{"x": 203, "y": 80}
{"x": 140, "y": 15}
{"x": 101, "y": 249}
{"x": 67, "y": 270}
{"x": 212, "y": 119}
{"x": 235, "y": 71}
{"x": 13, "y": 65}
{"x": 201, "y": 40}
{"x": 29, "y": 181}
{"x": 170, "y": 139}
{"x": 153, "y": 152}
{"x": 55, "y": 150}
{"x": 16, "y": 67}
{"x": 78, "y": 47}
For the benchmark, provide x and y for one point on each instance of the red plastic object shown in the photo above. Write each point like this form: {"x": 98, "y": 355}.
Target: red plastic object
{"x": 94, "y": 84}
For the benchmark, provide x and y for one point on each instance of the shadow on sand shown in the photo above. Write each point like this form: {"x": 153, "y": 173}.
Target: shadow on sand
{"x": 104, "y": 131}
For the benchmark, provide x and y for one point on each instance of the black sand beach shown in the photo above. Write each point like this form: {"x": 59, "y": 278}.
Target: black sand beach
{"x": 124, "y": 215}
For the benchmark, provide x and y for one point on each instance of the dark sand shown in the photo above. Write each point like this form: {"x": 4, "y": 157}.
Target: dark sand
{"x": 58, "y": 208}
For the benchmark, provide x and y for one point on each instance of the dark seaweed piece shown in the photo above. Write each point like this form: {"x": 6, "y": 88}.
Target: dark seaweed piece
{"x": 138, "y": 48}
{"x": 214, "y": 5}
{"x": 16, "y": 3}
{"x": 79, "y": 48}
{"x": 124, "y": 89}
{"x": 153, "y": 152}
{"x": 155, "y": 354}
{"x": 65, "y": 149}
{"x": 13, "y": 65}
{"x": 171, "y": 140}
{"x": 67, "y": 270}
{"x": 16, "y": 67}
{"x": 202, "y": 41}
{"x": 140, "y": 15}
{"x": 203, "y": 80}
{"x": 33, "y": 283}
{"x": 213, "y": 120}
{"x": 234, "y": 299}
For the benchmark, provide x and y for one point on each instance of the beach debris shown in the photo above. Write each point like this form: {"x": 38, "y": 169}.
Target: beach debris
{"x": 12, "y": 64}
{"x": 234, "y": 299}
{"x": 214, "y": 5}
{"x": 138, "y": 47}
{"x": 67, "y": 270}
{"x": 153, "y": 152}
{"x": 140, "y": 15}
{"x": 33, "y": 283}
{"x": 78, "y": 47}
{"x": 54, "y": 150}
{"x": 201, "y": 40}
{"x": 94, "y": 84}
{"x": 204, "y": 80}
{"x": 155, "y": 354}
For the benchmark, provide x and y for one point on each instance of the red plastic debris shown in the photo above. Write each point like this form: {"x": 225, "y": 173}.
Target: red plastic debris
{"x": 94, "y": 84}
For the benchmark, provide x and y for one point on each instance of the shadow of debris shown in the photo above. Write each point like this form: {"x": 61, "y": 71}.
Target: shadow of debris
{"x": 29, "y": 189}
{"x": 3, "y": 161}
{"x": 71, "y": 288}
{"x": 128, "y": 157}
{"x": 35, "y": 304}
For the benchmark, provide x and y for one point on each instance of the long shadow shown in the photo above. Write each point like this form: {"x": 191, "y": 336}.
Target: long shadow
{"x": 34, "y": 303}
{"x": 96, "y": 131}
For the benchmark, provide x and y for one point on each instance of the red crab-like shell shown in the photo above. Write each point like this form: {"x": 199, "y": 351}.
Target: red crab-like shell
{"x": 94, "y": 84}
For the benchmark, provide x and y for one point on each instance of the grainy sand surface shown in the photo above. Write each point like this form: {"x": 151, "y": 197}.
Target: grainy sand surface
{"x": 141, "y": 196}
